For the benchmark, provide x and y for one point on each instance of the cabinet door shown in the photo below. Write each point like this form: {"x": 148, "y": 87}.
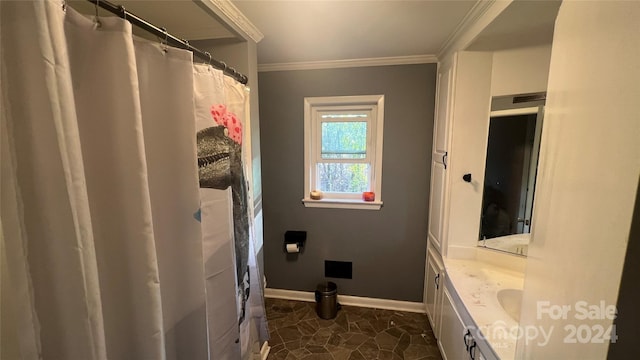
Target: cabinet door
{"x": 431, "y": 287}
{"x": 452, "y": 331}
{"x": 436, "y": 206}
{"x": 437, "y": 198}
{"x": 432, "y": 282}
{"x": 442, "y": 111}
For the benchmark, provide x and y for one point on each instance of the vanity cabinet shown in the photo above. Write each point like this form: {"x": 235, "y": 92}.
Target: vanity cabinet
{"x": 434, "y": 282}
{"x": 434, "y": 272}
{"x": 453, "y": 333}
{"x": 458, "y": 332}
{"x": 462, "y": 111}
{"x": 439, "y": 156}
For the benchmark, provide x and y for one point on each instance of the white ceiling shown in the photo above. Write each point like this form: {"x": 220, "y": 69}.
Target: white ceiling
{"x": 325, "y": 30}
{"x": 523, "y": 23}
{"x": 302, "y": 30}
{"x": 182, "y": 18}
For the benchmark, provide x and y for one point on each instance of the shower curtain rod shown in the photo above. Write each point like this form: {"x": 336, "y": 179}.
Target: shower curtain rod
{"x": 170, "y": 39}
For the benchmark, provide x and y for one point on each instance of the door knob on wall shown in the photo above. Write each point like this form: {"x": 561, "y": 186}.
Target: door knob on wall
{"x": 466, "y": 177}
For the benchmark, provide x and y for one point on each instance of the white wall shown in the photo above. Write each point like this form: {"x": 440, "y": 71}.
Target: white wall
{"x": 519, "y": 71}
{"x": 470, "y": 115}
{"x": 481, "y": 75}
{"x": 588, "y": 174}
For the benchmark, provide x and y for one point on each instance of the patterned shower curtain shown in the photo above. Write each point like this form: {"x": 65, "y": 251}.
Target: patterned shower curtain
{"x": 102, "y": 252}
{"x": 235, "y": 305}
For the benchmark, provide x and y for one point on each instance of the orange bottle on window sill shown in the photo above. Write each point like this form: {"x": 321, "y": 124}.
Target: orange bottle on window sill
{"x": 368, "y": 196}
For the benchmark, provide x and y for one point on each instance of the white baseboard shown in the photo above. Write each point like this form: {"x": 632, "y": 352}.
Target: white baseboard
{"x": 409, "y": 306}
{"x": 289, "y": 294}
{"x": 264, "y": 351}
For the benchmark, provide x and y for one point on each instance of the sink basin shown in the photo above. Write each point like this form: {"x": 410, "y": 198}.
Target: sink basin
{"x": 511, "y": 301}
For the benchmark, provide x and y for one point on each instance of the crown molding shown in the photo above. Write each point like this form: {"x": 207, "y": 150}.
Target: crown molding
{"x": 349, "y": 63}
{"x": 233, "y": 17}
{"x": 479, "y": 16}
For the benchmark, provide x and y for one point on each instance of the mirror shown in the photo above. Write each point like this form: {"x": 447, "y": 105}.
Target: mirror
{"x": 515, "y": 128}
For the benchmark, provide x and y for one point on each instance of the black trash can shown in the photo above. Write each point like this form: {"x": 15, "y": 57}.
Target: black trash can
{"x": 327, "y": 300}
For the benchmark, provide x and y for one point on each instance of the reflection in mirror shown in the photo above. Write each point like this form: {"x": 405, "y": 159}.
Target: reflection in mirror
{"x": 510, "y": 173}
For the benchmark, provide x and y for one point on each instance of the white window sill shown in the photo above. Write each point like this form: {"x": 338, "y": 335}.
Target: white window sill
{"x": 343, "y": 204}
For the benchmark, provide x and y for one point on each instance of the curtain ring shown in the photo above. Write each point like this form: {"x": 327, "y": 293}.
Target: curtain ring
{"x": 123, "y": 11}
{"x": 164, "y": 43}
{"x": 97, "y": 19}
{"x": 224, "y": 66}
{"x": 209, "y": 55}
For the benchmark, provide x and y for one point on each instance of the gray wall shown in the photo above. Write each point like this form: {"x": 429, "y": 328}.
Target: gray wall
{"x": 387, "y": 247}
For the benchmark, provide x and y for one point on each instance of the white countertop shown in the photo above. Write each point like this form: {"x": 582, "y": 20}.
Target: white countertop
{"x": 477, "y": 284}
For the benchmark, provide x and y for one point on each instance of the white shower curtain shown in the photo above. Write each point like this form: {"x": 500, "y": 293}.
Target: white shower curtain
{"x": 101, "y": 248}
{"x": 235, "y": 307}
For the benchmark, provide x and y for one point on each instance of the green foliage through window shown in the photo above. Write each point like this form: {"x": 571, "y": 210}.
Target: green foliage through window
{"x": 344, "y": 140}
{"x": 343, "y": 177}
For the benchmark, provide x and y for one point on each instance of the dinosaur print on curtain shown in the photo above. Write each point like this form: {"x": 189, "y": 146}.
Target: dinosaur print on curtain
{"x": 235, "y": 308}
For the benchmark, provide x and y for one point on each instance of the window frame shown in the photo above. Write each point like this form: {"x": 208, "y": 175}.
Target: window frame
{"x": 316, "y": 134}
{"x": 314, "y": 107}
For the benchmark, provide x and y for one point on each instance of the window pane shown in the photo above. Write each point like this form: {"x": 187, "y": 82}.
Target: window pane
{"x": 344, "y": 140}
{"x": 343, "y": 177}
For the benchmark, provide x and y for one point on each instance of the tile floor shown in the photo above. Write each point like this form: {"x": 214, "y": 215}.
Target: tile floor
{"x": 355, "y": 334}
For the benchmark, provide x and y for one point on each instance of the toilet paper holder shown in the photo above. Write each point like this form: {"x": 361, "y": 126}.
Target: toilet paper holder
{"x": 294, "y": 237}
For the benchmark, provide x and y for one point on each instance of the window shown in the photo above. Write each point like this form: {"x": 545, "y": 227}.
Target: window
{"x": 343, "y": 150}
